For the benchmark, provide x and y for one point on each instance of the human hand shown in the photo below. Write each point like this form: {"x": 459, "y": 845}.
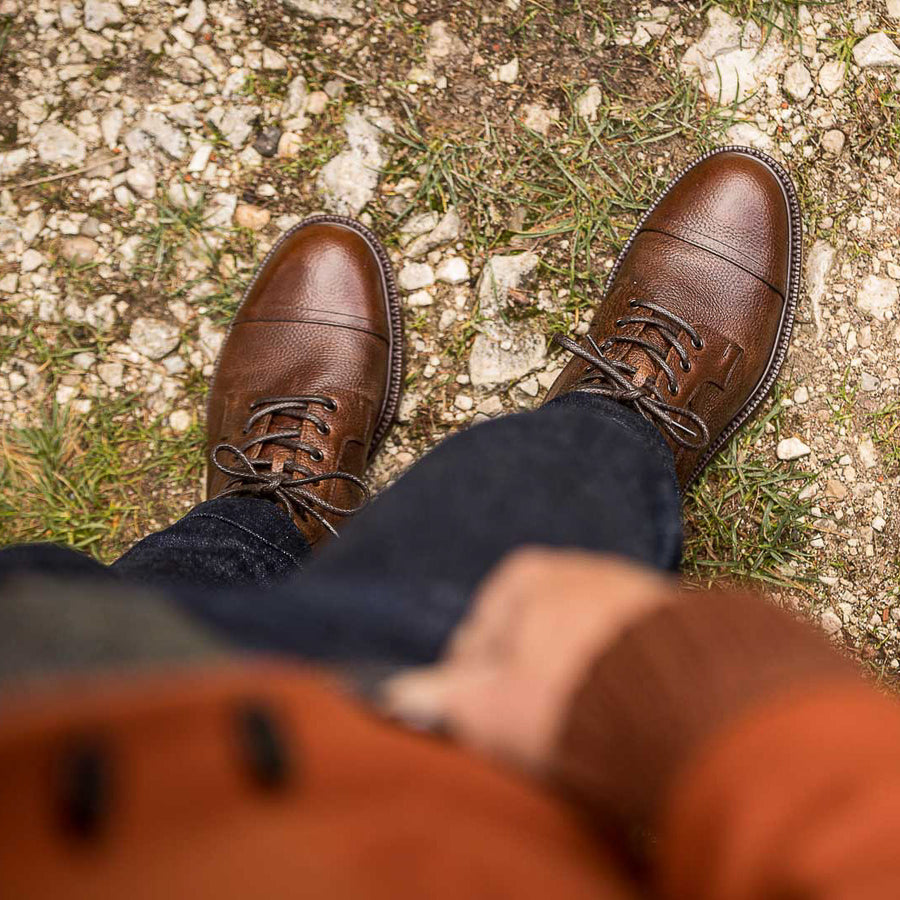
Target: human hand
{"x": 536, "y": 624}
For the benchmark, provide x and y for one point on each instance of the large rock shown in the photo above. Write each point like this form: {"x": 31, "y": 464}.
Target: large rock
{"x": 153, "y": 338}
{"x": 831, "y": 76}
{"x": 446, "y": 230}
{"x": 877, "y": 50}
{"x": 797, "y": 81}
{"x": 877, "y": 296}
{"x": 349, "y": 181}
{"x": 57, "y": 146}
{"x": 733, "y": 59}
{"x": 338, "y": 10}
{"x": 236, "y": 123}
{"x": 13, "y": 161}
{"x": 504, "y": 351}
{"x": 819, "y": 263}
{"x": 165, "y": 134}
{"x": 100, "y": 14}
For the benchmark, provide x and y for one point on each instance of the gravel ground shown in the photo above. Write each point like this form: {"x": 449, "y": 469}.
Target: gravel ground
{"x": 152, "y": 152}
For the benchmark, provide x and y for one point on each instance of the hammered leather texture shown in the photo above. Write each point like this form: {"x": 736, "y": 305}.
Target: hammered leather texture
{"x": 316, "y": 321}
{"x": 716, "y": 252}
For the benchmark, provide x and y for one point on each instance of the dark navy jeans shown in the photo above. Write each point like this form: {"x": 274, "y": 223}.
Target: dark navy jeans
{"x": 580, "y": 472}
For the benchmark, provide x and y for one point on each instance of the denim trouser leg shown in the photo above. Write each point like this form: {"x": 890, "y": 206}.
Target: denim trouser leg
{"x": 227, "y": 543}
{"x": 580, "y": 472}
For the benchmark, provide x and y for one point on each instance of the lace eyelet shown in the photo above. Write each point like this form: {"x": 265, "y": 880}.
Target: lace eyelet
{"x": 331, "y": 405}
{"x": 324, "y": 429}
{"x": 619, "y": 323}
{"x": 673, "y": 389}
{"x": 685, "y": 366}
{"x": 318, "y": 456}
{"x": 698, "y": 344}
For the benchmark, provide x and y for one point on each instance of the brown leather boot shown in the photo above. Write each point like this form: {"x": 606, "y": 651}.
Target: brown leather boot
{"x": 699, "y": 307}
{"x": 309, "y": 376}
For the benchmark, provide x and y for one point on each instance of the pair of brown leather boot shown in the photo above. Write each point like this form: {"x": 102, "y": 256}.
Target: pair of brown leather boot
{"x": 691, "y": 332}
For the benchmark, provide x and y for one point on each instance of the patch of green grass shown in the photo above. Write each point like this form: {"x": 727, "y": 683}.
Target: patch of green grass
{"x": 163, "y": 238}
{"x": 843, "y": 401}
{"x": 88, "y": 481}
{"x": 885, "y": 427}
{"x": 745, "y": 519}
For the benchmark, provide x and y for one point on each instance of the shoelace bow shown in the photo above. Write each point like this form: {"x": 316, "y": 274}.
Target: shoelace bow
{"x": 612, "y": 378}
{"x": 294, "y": 492}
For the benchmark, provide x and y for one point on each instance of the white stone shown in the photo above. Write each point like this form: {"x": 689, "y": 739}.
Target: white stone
{"x": 100, "y": 14}
{"x": 791, "y": 448}
{"x": 463, "y": 402}
{"x": 868, "y": 383}
{"x": 142, "y": 181}
{"x": 183, "y": 195}
{"x": 58, "y": 146}
{"x": 200, "y": 159}
{"x": 339, "y": 10}
{"x": 878, "y": 524}
{"x": 419, "y": 298}
{"x": 65, "y": 394}
{"x": 414, "y": 276}
{"x": 504, "y": 351}
{"x": 79, "y": 250}
{"x": 819, "y": 263}
{"x": 111, "y": 127}
{"x": 235, "y": 123}
{"x": 539, "y": 118}
{"x": 746, "y": 134}
{"x": 454, "y": 270}
{"x": 831, "y": 622}
{"x": 9, "y": 284}
{"x": 893, "y": 8}
{"x": 195, "y": 17}
{"x": 246, "y": 215}
{"x": 508, "y": 73}
{"x": 294, "y": 102}
{"x": 732, "y": 59}
{"x": 272, "y": 60}
{"x": 31, "y": 261}
{"x": 221, "y": 209}
{"x": 831, "y": 76}
{"x": 868, "y": 455}
{"x": 833, "y": 141}
{"x": 290, "y": 145}
{"x": 801, "y": 395}
{"x": 32, "y": 225}
{"x": 211, "y": 339}
{"x": 180, "y": 421}
{"x": 153, "y": 338}
{"x": 876, "y": 50}
{"x": 165, "y": 134}
{"x": 112, "y": 374}
{"x": 349, "y": 180}
{"x": 797, "y": 81}
{"x": 123, "y": 196}
{"x": 209, "y": 59}
{"x": 447, "y": 229}
{"x": 877, "y": 296}
{"x": 13, "y": 161}
{"x": 317, "y": 103}
{"x": 589, "y": 102}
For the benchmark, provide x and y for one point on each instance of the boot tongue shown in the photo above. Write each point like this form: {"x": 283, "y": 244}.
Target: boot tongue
{"x": 272, "y": 424}
{"x": 637, "y": 357}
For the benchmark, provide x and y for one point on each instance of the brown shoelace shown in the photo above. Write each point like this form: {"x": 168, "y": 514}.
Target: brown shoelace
{"x": 292, "y": 485}
{"x": 612, "y": 378}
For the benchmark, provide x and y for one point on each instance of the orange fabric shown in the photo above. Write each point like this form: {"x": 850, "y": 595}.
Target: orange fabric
{"x": 798, "y": 799}
{"x": 372, "y": 810}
